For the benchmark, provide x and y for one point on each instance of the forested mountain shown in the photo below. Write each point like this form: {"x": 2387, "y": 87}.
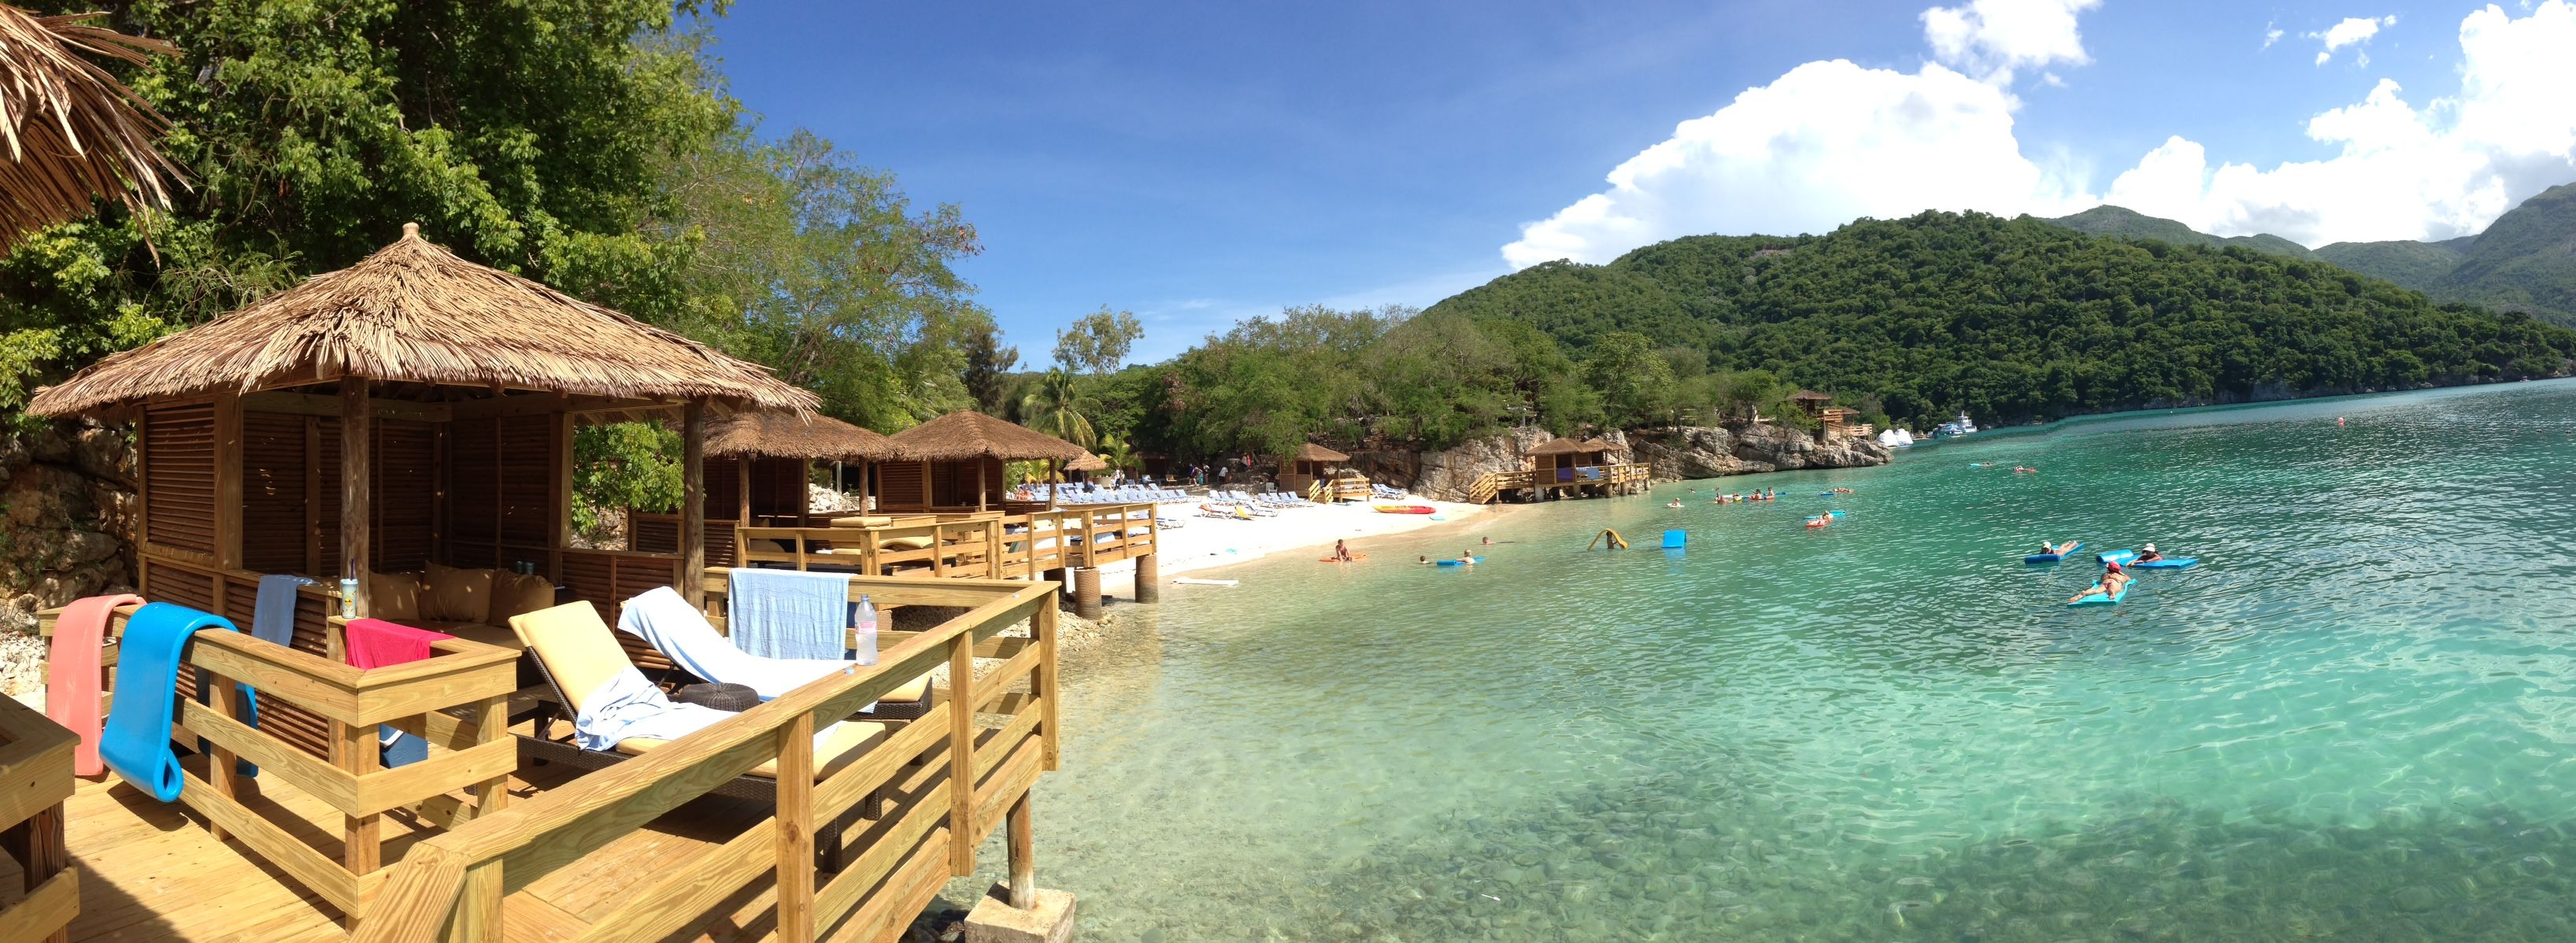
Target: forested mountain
{"x": 2022, "y": 319}
{"x": 2525, "y": 261}
{"x": 2125, "y": 223}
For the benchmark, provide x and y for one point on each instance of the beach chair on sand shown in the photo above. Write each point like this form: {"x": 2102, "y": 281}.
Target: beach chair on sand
{"x": 575, "y": 651}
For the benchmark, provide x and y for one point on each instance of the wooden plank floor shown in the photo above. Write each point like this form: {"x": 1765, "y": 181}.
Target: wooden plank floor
{"x": 152, "y": 872}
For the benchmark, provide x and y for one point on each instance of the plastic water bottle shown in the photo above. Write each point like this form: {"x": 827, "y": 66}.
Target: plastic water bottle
{"x": 866, "y": 636}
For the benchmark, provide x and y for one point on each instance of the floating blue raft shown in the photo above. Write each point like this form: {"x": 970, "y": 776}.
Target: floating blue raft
{"x": 1457, "y": 563}
{"x": 2128, "y": 558}
{"x": 2052, "y": 557}
{"x": 2098, "y": 599}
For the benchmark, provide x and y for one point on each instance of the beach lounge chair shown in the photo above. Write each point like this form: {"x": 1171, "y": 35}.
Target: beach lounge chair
{"x": 707, "y": 656}
{"x": 576, "y": 652}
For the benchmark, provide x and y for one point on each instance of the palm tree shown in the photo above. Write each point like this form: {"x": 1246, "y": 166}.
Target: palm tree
{"x": 1056, "y": 408}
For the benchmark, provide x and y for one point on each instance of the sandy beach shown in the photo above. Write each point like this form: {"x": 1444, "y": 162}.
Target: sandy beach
{"x": 1204, "y": 543}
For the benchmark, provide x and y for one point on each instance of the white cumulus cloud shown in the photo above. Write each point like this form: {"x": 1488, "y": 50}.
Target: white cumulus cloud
{"x": 1991, "y": 38}
{"x": 1830, "y": 141}
{"x": 2352, "y": 31}
{"x": 2444, "y": 168}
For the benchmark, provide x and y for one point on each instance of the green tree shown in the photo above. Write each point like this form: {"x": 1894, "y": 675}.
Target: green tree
{"x": 1635, "y": 382}
{"x": 528, "y": 136}
{"x": 1098, "y": 342}
{"x": 1058, "y": 408}
{"x": 987, "y": 363}
{"x": 820, "y": 268}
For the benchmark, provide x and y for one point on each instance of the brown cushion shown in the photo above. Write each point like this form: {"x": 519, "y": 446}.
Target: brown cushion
{"x": 513, "y": 594}
{"x": 394, "y": 597}
{"x": 457, "y": 595}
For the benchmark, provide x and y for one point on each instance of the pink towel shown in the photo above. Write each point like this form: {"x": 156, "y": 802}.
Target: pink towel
{"x": 376, "y": 643}
{"x": 71, "y": 674}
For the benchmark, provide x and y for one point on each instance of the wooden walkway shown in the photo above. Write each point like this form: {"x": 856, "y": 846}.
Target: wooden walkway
{"x": 151, "y": 871}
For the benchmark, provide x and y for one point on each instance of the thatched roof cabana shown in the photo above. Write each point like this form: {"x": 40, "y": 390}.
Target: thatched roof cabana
{"x": 1564, "y": 446}
{"x": 967, "y": 434}
{"x": 1087, "y": 463}
{"x": 1310, "y": 452}
{"x": 422, "y": 404}
{"x": 70, "y": 132}
{"x": 413, "y": 312}
{"x": 786, "y": 435}
{"x": 957, "y": 456}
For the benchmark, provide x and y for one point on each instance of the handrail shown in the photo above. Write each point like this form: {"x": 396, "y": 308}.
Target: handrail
{"x": 35, "y": 781}
{"x": 456, "y": 880}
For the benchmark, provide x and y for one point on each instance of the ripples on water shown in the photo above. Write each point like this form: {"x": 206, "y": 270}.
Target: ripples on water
{"x": 2351, "y": 721}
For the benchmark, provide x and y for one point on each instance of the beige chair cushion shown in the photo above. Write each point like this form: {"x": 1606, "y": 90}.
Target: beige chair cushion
{"x": 910, "y": 693}
{"x": 394, "y": 597}
{"x": 513, "y": 594}
{"x": 576, "y": 647}
{"x": 869, "y": 521}
{"x": 457, "y": 595}
{"x": 909, "y": 543}
{"x": 850, "y": 739}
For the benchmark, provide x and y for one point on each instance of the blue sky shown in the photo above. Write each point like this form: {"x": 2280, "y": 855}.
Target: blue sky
{"x": 1199, "y": 163}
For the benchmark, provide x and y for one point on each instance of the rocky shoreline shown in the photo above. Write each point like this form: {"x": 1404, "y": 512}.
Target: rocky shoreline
{"x": 1676, "y": 454}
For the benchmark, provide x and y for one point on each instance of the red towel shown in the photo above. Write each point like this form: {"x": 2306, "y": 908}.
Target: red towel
{"x": 71, "y": 674}
{"x": 376, "y": 643}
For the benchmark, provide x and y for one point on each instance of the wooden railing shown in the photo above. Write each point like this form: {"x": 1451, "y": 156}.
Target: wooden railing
{"x": 456, "y": 701}
{"x": 950, "y": 779}
{"x": 1491, "y": 484}
{"x": 987, "y": 545}
{"x": 35, "y": 779}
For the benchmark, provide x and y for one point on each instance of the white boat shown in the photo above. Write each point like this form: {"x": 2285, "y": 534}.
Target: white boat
{"x": 1961, "y": 426}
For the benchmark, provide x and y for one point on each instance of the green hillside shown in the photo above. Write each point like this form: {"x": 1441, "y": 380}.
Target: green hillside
{"x": 2125, "y": 223}
{"x": 2416, "y": 265}
{"x": 2526, "y": 261}
{"x": 2022, "y": 319}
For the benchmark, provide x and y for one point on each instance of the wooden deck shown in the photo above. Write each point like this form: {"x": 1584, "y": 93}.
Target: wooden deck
{"x": 643, "y": 850}
{"x": 1617, "y": 478}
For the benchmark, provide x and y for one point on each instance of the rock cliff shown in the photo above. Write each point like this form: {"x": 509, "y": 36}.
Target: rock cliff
{"x": 1709, "y": 451}
{"x": 66, "y": 517}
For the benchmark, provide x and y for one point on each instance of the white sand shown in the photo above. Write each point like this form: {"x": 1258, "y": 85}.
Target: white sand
{"x": 1204, "y": 542}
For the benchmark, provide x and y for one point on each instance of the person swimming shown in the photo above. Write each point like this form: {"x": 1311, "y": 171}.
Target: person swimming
{"x": 2148, "y": 555}
{"x": 2113, "y": 578}
{"x": 1466, "y": 559}
{"x": 1342, "y": 551}
{"x": 1676, "y": 502}
{"x": 2059, "y": 549}
{"x": 1489, "y": 541}
{"x": 2025, "y": 471}
{"x": 1425, "y": 561}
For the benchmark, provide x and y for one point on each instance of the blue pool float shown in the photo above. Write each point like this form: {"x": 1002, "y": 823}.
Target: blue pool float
{"x": 136, "y": 739}
{"x": 2098, "y": 599}
{"x": 2128, "y": 559}
{"x": 2121, "y": 557}
{"x": 1456, "y": 563}
{"x": 2052, "y": 557}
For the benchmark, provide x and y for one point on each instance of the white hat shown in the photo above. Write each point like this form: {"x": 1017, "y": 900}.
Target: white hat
{"x": 2151, "y": 548}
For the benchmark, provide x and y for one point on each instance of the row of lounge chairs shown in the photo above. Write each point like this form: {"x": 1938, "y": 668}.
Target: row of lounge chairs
{"x": 1121, "y": 494}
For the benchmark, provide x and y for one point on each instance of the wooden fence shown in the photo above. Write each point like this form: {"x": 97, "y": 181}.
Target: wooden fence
{"x": 35, "y": 779}
{"x": 948, "y": 781}
{"x": 987, "y": 545}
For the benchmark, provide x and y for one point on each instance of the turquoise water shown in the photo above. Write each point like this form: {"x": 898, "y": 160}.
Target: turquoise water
{"x": 2351, "y": 721}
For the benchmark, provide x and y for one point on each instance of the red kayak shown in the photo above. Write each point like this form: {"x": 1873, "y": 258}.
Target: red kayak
{"x": 1405, "y": 509}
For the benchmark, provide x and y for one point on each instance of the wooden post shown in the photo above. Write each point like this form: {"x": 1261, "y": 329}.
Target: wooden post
{"x": 979, "y": 484}
{"x": 1055, "y": 473}
{"x": 354, "y": 751}
{"x": 1042, "y": 683}
{"x": 742, "y": 493}
{"x": 796, "y": 831}
{"x": 478, "y": 911}
{"x": 961, "y": 755}
{"x": 1022, "y": 849}
{"x": 357, "y": 475}
{"x": 1086, "y": 592}
{"x": 693, "y": 504}
{"x": 41, "y": 852}
{"x": 220, "y": 769}
{"x": 1149, "y": 578}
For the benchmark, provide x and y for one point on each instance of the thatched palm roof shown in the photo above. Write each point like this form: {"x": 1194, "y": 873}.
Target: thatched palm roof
{"x": 1810, "y": 396}
{"x": 69, "y": 131}
{"x": 969, "y": 434}
{"x": 1087, "y": 463}
{"x": 1597, "y": 445}
{"x": 1310, "y": 452}
{"x": 785, "y": 435}
{"x": 415, "y": 312}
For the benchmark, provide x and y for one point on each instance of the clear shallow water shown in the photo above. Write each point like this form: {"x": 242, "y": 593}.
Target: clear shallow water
{"x": 2352, "y": 721}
